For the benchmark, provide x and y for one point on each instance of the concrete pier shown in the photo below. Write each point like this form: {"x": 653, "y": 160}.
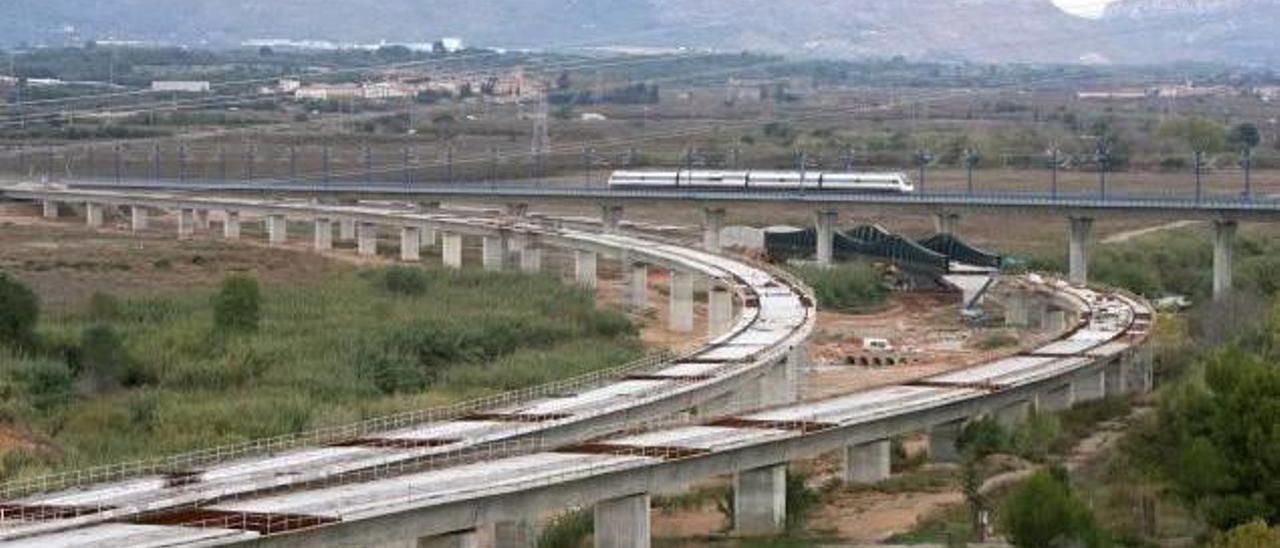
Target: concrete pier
{"x": 346, "y": 230}
{"x": 202, "y": 219}
{"x": 493, "y": 253}
{"x": 138, "y": 220}
{"x": 1055, "y": 399}
{"x": 1223, "y": 243}
{"x": 622, "y": 522}
{"x": 867, "y": 463}
{"x": 186, "y": 223}
{"x": 1089, "y": 387}
{"x": 638, "y": 286}
{"x": 1015, "y": 310}
{"x": 778, "y": 384}
{"x": 712, "y": 223}
{"x": 94, "y": 215}
{"x": 1013, "y": 415}
{"x": 531, "y": 258}
{"x": 1116, "y": 381}
{"x": 231, "y": 225}
{"x": 611, "y": 218}
{"x": 942, "y": 441}
{"x": 49, "y": 209}
{"x": 681, "y": 313}
{"x": 584, "y": 268}
{"x": 451, "y": 249}
{"x": 719, "y": 310}
{"x": 410, "y": 244}
{"x": 366, "y": 239}
{"x": 429, "y": 236}
{"x": 1078, "y": 251}
{"x": 323, "y": 234}
{"x": 826, "y": 225}
{"x": 760, "y": 500}
{"x": 945, "y": 223}
{"x": 277, "y": 229}
{"x": 515, "y": 534}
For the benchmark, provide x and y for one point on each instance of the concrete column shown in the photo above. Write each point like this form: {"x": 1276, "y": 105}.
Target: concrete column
{"x": 277, "y": 229}
{"x": 1013, "y": 415}
{"x": 1015, "y": 310}
{"x": 1223, "y": 242}
{"x": 712, "y": 223}
{"x": 494, "y": 253}
{"x": 451, "y": 249}
{"x": 826, "y": 224}
{"x": 942, "y": 441}
{"x": 638, "y": 289}
{"x": 719, "y": 310}
{"x": 460, "y": 539}
{"x": 428, "y": 236}
{"x": 49, "y": 209}
{"x": 1079, "y": 249}
{"x": 1055, "y": 399}
{"x": 94, "y": 215}
{"x": 760, "y": 500}
{"x": 366, "y": 239}
{"x": 584, "y": 268}
{"x": 611, "y": 217}
{"x": 1089, "y": 387}
{"x": 867, "y": 463}
{"x": 231, "y": 226}
{"x": 945, "y": 223}
{"x": 1116, "y": 383}
{"x": 1055, "y": 320}
{"x": 778, "y": 384}
{"x": 622, "y": 522}
{"x": 346, "y": 230}
{"x": 323, "y": 234}
{"x": 515, "y": 534}
{"x": 410, "y": 244}
{"x": 681, "y": 314}
{"x": 531, "y": 259}
{"x": 138, "y": 218}
{"x": 186, "y": 223}
{"x": 202, "y": 219}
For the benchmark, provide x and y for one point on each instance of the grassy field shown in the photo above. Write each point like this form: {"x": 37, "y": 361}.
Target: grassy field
{"x": 345, "y": 347}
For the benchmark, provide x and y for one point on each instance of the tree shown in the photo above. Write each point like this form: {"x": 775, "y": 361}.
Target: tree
{"x": 1200, "y": 134}
{"x": 1244, "y": 136}
{"x": 1042, "y": 512}
{"x": 236, "y": 307}
{"x": 1254, "y": 534}
{"x": 103, "y": 359}
{"x": 19, "y": 312}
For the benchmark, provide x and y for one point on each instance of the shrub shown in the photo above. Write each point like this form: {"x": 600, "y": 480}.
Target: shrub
{"x": 848, "y": 286}
{"x": 405, "y": 280}
{"x": 1043, "y": 512}
{"x": 567, "y": 530}
{"x": 983, "y": 437}
{"x": 1254, "y": 534}
{"x": 19, "y": 312}
{"x": 103, "y": 307}
{"x": 236, "y": 307}
{"x": 103, "y": 360}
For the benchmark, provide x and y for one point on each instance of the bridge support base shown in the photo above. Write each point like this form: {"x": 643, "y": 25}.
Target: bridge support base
{"x": 451, "y": 250}
{"x": 622, "y": 522}
{"x": 428, "y": 238}
{"x": 231, "y": 225}
{"x": 186, "y": 223}
{"x": 323, "y": 237}
{"x": 826, "y": 225}
{"x": 945, "y": 223}
{"x": 410, "y": 244}
{"x": 719, "y": 310}
{"x": 760, "y": 500}
{"x": 1081, "y": 227}
{"x": 277, "y": 229}
{"x": 681, "y": 313}
{"x": 867, "y": 463}
{"x": 1223, "y": 242}
{"x": 712, "y": 223}
{"x": 367, "y": 239}
{"x": 202, "y": 219}
{"x": 493, "y": 253}
{"x": 584, "y": 268}
{"x": 94, "y": 215}
{"x": 138, "y": 218}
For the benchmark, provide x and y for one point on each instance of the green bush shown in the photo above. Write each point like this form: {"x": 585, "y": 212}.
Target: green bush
{"x": 567, "y": 530}
{"x": 983, "y": 437}
{"x": 104, "y": 362}
{"x": 19, "y": 312}
{"x": 405, "y": 280}
{"x": 103, "y": 307}
{"x": 847, "y": 286}
{"x": 236, "y": 307}
{"x": 1042, "y": 512}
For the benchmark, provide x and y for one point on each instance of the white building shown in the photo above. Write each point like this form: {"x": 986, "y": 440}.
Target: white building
{"x": 326, "y": 92}
{"x": 180, "y": 86}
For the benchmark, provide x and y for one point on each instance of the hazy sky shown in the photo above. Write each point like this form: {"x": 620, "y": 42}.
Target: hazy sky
{"x": 1087, "y": 8}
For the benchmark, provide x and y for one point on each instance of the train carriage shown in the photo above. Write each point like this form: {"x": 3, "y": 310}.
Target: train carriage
{"x": 817, "y": 181}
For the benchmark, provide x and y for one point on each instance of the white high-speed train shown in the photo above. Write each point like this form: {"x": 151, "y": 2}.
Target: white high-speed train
{"x": 763, "y": 180}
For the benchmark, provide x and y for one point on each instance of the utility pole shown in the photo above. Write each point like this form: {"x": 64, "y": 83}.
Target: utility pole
{"x": 848, "y": 159}
{"x": 1197, "y": 160}
{"x": 1246, "y": 162}
{"x": 1103, "y": 159}
{"x": 922, "y": 159}
{"x": 971, "y": 159}
{"x": 1053, "y": 171}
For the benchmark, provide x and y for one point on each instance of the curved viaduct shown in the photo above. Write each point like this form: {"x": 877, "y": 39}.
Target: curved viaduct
{"x": 440, "y": 478}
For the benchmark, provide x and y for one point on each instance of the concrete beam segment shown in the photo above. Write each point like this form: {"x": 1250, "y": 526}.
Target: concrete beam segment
{"x": 186, "y": 223}
{"x": 277, "y": 229}
{"x": 451, "y": 249}
{"x": 760, "y": 500}
{"x": 460, "y": 539}
{"x": 49, "y": 209}
{"x": 323, "y": 234}
{"x": 346, "y": 230}
{"x": 231, "y": 225}
{"x": 1089, "y": 386}
{"x": 1223, "y": 243}
{"x": 515, "y": 534}
{"x": 410, "y": 243}
{"x": 712, "y": 224}
{"x": 366, "y": 239}
{"x": 680, "y": 316}
{"x": 942, "y": 441}
{"x": 867, "y": 463}
{"x": 531, "y": 259}
{"x": 1013, "y": 415}
{"x": 138, "y": 218}
{"x": 611, "y": 217}
{"x": 622, "y": 522}
{"x": 638, "y": 289}
{"x": 94, "y": 215}
{"x": 826, "y": 224}
{"x": 1059, "y": 398}
{"x": 494, "y": 253}
{"x": 1078, "y": 250}
{"x": 584, "y": 267}
{"x": 719, "y": 310}
{"x": 945, "y": 223}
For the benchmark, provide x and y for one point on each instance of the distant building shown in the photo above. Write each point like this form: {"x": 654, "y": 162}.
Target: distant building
{"x": 180, "y": 86}
{"x": 451, "y": 44}
{"x": 388, "y": 90}
{"x": 329, "y": 92}
{"x": 1114, "y": 95}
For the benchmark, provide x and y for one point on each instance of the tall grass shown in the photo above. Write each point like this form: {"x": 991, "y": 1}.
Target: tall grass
{"x": 849, "y": 287}
{"x": 343, "y": 349}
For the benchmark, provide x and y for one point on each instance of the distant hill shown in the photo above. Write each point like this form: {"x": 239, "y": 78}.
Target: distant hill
{"x": 992, "y": 30}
